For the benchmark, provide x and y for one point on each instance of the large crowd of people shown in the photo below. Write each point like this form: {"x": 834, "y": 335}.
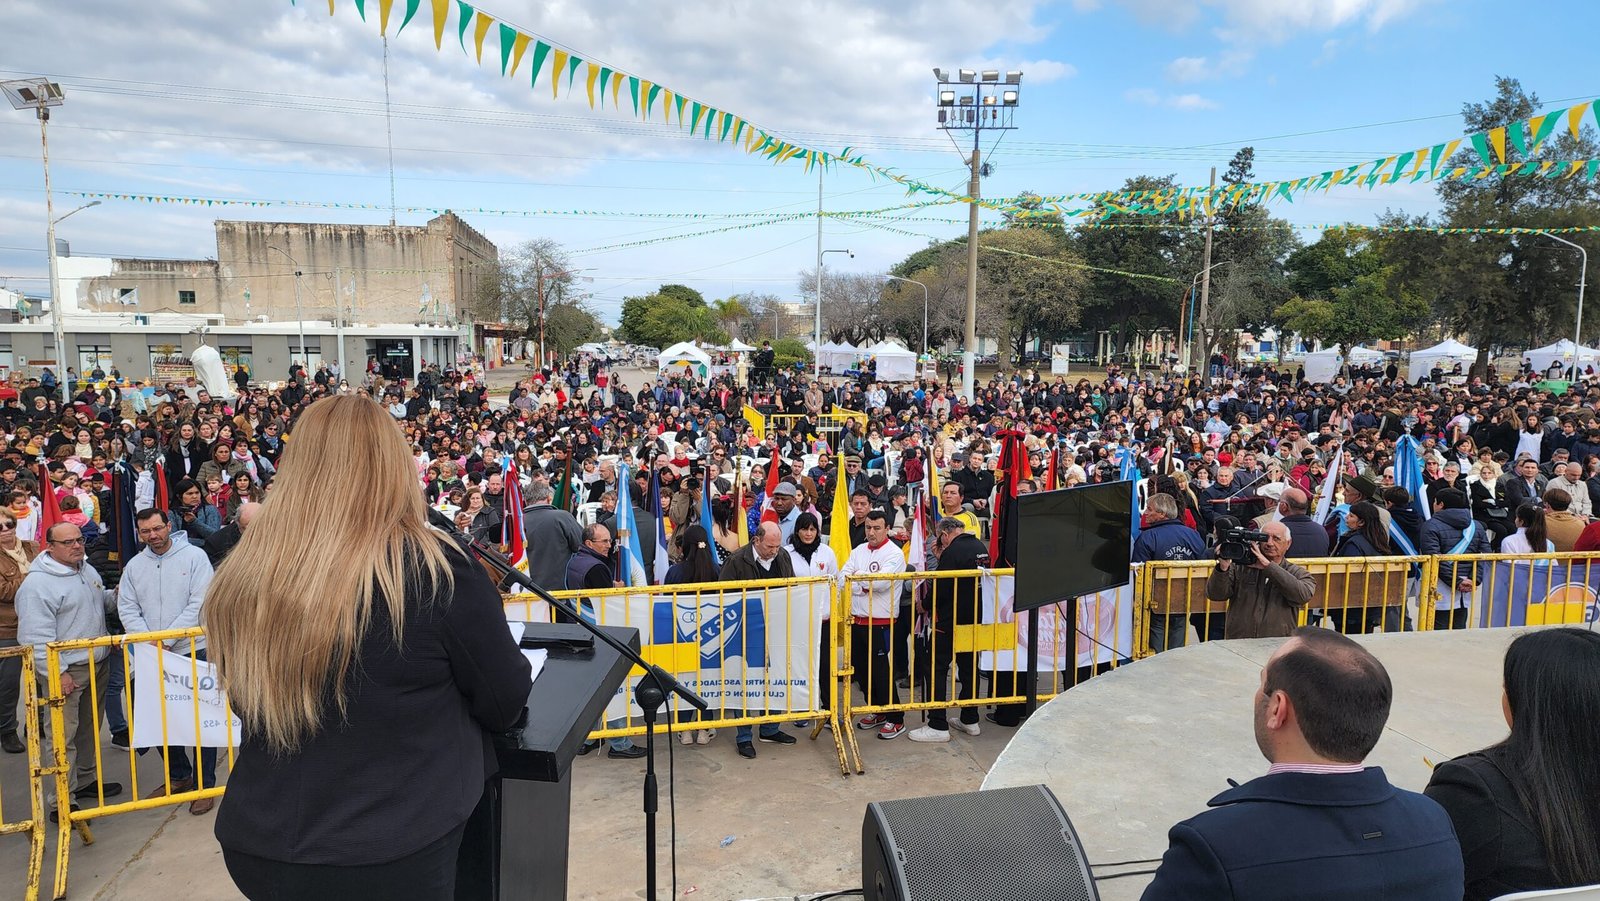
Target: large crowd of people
{"x": 130, "y": 478}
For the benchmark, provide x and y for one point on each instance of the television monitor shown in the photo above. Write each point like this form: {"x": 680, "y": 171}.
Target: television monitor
{"x": 1073, "y": 542}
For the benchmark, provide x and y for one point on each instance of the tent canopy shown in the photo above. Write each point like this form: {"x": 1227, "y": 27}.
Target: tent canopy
{"x": 838, "y": 357}
{"x": 895, "y": 363}
{"x": 1542, "y": 358}
{"x": 738, "y": 346}
{"x": 1446, "y": 354}
{"x": 1323, "y": 365}
{"x": 684, "y": 355}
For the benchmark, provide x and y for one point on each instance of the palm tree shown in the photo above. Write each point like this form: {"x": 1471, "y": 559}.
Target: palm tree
{"x": 732, "y": 315}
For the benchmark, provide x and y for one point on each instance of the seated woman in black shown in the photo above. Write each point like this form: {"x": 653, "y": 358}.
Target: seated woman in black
{"x": 1527, "y": 810}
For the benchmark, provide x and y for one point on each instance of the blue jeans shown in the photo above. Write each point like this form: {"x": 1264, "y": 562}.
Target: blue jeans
{"x": 178, "y": 761}
{"x": 621, "y": 742}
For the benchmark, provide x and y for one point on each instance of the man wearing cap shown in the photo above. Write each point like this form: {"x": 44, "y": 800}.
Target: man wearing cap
{"x": 1356, "y": 489}
{"x": 786, "y": 503}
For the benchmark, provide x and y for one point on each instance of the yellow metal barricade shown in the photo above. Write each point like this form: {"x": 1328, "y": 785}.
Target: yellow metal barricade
{"x": 758, "y": 423}
{"x": 88, "y": 698}
{"x": 694, "y": 630}
{"x": 1353, "y": 595}
{"x": 958, "y": 643}
{"x": 33, "y": 823}
{"x": 1477, "y": 591}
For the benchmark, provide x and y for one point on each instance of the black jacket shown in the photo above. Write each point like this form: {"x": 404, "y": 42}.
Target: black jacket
{"x": 956, "y": 601}
{"x": 409, "y": 761}
{"x": 1499, "y": 839}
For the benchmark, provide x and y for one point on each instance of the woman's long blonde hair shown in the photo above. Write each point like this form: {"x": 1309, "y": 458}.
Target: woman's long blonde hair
{"x": 345, "y": 521}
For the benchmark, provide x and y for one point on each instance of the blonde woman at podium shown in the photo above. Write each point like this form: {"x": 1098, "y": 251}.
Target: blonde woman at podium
{"x": 369, "y": 665}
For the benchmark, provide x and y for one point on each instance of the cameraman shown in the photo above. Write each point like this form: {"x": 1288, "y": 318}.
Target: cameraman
{"x": 1264, "y": 597}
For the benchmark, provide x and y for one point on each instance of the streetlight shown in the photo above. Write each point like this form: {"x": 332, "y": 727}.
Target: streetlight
{"x": 975, "y": 102}
{"x": 305, "y": 357}
{"x": 39, "y": 95}
{"x": 1583, "y": 275}
{"x": 816, "y": 340}
{"x": 1186, "y": 312}
{"x": 896, "y": 278}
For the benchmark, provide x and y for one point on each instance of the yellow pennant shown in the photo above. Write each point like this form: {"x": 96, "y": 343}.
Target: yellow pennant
{"x": 518, "y": 47}
{"x": 1575, "y": 117}
{"x": 1450, "y": 150}
{"x": 644, "y": 97}
{"x": 594, "y": 74}
{"x": 556, "y": 68}
{"x": 666, "y": 106}
{"x": 481, "y": 28}
{"x": 1533, "y": 129}
{"x": 441, "y": 13}
{"x": 1497, "y": 140}
{"x": 617, "y": 78}
{"x": 383, "y": 15}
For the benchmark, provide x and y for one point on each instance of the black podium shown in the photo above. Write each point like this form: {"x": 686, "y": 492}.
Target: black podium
{"x": 515, "y": 846}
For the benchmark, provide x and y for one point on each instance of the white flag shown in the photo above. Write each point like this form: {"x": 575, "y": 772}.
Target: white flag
{"x": 1329, "y": 486}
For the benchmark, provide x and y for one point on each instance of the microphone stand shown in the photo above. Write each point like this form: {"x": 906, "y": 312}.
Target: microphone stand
{"x": 650, "y": 694}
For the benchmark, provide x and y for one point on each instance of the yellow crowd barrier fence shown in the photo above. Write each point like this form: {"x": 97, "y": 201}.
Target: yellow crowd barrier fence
{"x": 32, "y": 824}
{"x": 954, "y": 646}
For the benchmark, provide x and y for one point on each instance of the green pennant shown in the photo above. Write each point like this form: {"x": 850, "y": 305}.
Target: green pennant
{"x": 711, "y": 118}
{"x": 1400, "y": 166}
{"x": 464, "y": 15}
{"x": 738, "y": 129}
{"x": 1436, "y": 158}
{"x": 633, "y": 91}
{"x": 508, "y": 37}
{"x": 572, "y": 69}
{"x": 1546, "y": 127}
{"x": 540, "y": 51}
{"x": 361, "y": 7}
{"x": 650, "y": 99}
{"x": 1518, "y": 134}
{"x": 411, "y": 10}
{"x": 727, "y": 123}
{"x": 1589, "y": 169}
{"x": 695, "y": 111}
{"x": 1480, "y": 143}
{"x": 605, "y": 79}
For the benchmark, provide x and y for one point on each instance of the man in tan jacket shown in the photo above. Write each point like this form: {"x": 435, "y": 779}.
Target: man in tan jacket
{"x": 1561, "y": 525}
{"x": 1264, "y": 597}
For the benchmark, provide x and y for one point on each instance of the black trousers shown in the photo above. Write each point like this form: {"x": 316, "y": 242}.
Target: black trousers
{"x": 1008, "y": 683}
{"x": 966, "y": 664}
{"x": 869, "y": 657}
{"x": 428, "y": 874}
{"x": 825, "y": 657}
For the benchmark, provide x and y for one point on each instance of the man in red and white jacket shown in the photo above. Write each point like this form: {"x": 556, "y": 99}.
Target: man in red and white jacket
{"x": 873, "y": 605}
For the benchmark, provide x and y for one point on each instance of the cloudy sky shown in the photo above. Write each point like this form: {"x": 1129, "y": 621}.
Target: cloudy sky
{"x": 264, "y": 100}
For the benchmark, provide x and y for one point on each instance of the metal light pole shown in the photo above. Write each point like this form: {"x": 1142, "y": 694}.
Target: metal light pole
{"x": 305, "y": 357}
{"x": 39, "y": 95}
{"x": 1583, "y": 276}
{"x": 1186, "y": 312}
{"x": 816, "y": 340}
{"x": 896, "y": 278}
{"x": 984, "y": 102}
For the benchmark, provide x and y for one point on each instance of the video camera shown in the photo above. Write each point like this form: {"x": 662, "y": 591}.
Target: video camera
{"x": 1235, "y": 544}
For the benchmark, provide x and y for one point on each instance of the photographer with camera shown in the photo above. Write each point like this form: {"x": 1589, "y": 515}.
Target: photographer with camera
{"x": 1263, "y": 590}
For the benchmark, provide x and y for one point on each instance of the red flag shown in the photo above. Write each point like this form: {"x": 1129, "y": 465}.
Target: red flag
{"x": 163, "y": 502}
{"x": 767, "y": 513}
{"x": 49, "y": 511}
{"x": 1050, "y": 471}
{"x": 1013, "y": 465}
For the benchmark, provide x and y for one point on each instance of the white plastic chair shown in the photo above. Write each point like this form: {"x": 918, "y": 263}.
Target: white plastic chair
{"x": 588, "y": 514}
{"x": 1579, "y": 893}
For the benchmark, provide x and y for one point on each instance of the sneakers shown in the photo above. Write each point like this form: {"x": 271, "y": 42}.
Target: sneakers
{"x": 892, "y": 731}
{"x": 704, "y": 736}
{"x": 91, "y": 793}
{"x": 969, "y": 728}
{"x": 747, "y": 750}
{"x": 777, "y": 738}
{"x": 872, "y": 721}
{"x": 119, "y": 739}
{"x": 928, "y": 734}
{"x": 632, "y": 752}
{"x": 686, "y": 737}
{"x": 10, "y": 743}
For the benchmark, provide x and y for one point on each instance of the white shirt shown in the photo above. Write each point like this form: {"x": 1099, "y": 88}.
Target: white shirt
{"x": 875, "y": 599}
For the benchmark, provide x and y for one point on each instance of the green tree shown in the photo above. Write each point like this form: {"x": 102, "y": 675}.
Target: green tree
{"x": 1369, "y": 308}
{"x": 734, "y": 316}
{"x": 1154, "y": 244}
{"x": 569, "y": 324}
{"x": 660, "y": 320}
{"x": 1254, "y": 245}
{"x": 1335, "y": 261}
{"x": 684, "y": 293}
{"x": 1030, "y": 286}
{"x": 533, "y": 280}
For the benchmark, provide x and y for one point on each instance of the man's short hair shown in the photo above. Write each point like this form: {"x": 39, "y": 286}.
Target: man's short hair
{"x": 1295, "y": 500}
{"x": 1396, "y": 496}
{"x": 148, "y": 513}
{"x": 950, "y": 524}
{"x": 540, "y": 493}
{"x": 593, "y": 530}
{"x": 878, "y": 515}
{"x": 1451, "y": 499}
{"x": 1165, "y": 505}
{"x": 1557, "y": 499}
{"x": 1341, "y": 693}
{"x": 861, "y": 493}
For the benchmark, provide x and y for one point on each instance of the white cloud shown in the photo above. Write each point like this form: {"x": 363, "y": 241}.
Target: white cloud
{"x": 1228, "y": 64}
{"x": 1186, "y": 102}
{"x": 1188, "y": 68}
{"x": 1272, "y": 20}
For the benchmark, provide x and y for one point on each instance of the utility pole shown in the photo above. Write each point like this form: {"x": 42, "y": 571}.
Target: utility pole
{"x": 816, "y": 336}
{"x": 969, "y": 353}
{"x": 1202, "y": 350}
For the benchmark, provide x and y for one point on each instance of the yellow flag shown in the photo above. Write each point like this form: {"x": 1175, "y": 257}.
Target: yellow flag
{"x": 519, "y": 46}
{"x": 839, "y": 525}
{"x": 383, "y": 15}
{"x": 481, "y": 28}
{"x": 1497, "y": 140}
{"x": 555, "y": 71}
{"x": 594, "y": 73}
{"x": 739, "y": 511}
{"x": 441, "y": 12}
{"x": 1575, "y": 117}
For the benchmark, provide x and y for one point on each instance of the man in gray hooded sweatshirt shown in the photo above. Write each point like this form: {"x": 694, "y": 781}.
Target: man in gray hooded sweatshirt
{"x": 162, "y": 588}
{"x": 61, "y": 599}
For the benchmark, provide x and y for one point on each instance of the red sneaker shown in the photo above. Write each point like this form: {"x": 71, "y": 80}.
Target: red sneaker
{"x": 872, "y": 721}
{"x": 891, "y": 731}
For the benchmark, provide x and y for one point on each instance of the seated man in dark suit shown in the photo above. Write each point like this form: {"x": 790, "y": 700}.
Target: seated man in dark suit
{"x": 1319, "y": 826}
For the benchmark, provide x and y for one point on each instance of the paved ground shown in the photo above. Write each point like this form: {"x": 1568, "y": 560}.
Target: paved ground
{"x": 795, "y": 823}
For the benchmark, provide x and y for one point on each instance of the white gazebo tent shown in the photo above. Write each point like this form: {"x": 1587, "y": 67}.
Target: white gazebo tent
{"x": 1542, "y": 358}
{"x": 839, "y": 357}
{"x": 684, "y": 358}
{"x": 895, "y": 363}
{"x": 739, "y": 347}
{"x": 1325, "y": 364}
{"x": 1446, "y": 354}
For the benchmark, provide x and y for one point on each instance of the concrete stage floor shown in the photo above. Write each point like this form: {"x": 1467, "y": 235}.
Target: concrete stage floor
{"x": 1132, "y": 753}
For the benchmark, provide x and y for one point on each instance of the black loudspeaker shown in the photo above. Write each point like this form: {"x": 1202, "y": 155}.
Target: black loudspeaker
{"x": 1011, "y": 844}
